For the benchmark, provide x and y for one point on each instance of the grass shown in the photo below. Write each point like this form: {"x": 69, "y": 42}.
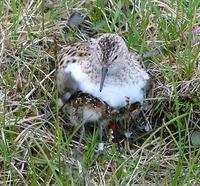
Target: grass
{"x": 36, "y": 144}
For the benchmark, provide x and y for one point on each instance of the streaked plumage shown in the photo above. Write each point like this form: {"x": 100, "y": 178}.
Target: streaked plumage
{"x": 108, "y": 76}
{"x": 80, "y": 69}
{"x": 82, "y": 108}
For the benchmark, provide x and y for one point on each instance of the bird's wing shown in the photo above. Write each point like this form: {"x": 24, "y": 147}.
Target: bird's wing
{"x": 136, "y": 59}
{"x": 75, "y": 53}
{"x": 66, "y": 85}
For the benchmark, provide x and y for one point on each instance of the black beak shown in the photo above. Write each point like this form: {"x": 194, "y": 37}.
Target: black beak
{"x": 104, "y": 71}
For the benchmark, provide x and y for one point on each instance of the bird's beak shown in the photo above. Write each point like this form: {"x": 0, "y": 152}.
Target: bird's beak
{"x": 104, "y": 71}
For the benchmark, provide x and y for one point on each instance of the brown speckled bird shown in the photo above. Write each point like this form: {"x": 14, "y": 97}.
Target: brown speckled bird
{"x": 106, "y": 73}
{"x": 83, "y": 108}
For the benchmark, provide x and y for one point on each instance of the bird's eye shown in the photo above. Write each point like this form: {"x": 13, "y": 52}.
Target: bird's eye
{"x": 115, "y": 57}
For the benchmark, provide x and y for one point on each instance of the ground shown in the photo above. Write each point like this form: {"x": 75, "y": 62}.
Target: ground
{"x": 37, "y": 145}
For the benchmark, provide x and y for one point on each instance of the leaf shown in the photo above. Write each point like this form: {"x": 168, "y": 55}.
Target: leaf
{"x": 195, "y": 138}
{"x": 75, "y": 19}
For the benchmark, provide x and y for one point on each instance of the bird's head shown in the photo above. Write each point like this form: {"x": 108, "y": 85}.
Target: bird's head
{"x": 113, "y": 53}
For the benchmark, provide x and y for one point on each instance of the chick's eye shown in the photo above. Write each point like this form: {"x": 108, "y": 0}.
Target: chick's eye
{"x": 115, "y": 57}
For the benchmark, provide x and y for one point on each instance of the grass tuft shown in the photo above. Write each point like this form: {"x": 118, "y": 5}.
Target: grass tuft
{"x": 37, "y": 145}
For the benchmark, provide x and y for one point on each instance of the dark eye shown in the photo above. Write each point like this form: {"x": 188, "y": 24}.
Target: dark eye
{"x": 115, "y": 57}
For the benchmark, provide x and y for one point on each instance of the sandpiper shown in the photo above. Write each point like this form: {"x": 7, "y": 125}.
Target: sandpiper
{"x": 105, "y": 69}
{"x": 83, "y": 108}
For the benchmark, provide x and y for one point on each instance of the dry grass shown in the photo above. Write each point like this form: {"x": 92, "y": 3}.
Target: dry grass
{"x": 37, "y": 146}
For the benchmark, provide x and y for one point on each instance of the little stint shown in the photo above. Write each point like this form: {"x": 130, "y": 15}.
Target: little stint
{"x": 105, "y": 69}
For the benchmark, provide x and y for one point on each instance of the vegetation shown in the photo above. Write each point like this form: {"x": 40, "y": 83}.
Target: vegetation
{"x": 37, "y": 144}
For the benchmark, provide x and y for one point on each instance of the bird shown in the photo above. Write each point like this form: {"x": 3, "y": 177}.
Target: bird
{"x": 82, "y": 108}
{"x": 104, "y": 69}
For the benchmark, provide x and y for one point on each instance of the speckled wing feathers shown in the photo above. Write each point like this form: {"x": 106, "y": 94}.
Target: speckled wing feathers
{"x": 79, "y": 102}
{"x": 74, "y": 53}
{"x": 66, "y": 84}
{"x": 80, "y": 70}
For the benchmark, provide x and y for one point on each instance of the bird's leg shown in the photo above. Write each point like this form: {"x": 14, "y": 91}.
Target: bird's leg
{"x": 81, "y": 136}
{"x": 127, "y": 119}
{"x": 78, "y": 154}
{"x": 101, "y": 144}
{"x": 117, "y": 131}
{"x": 127, "y": 134}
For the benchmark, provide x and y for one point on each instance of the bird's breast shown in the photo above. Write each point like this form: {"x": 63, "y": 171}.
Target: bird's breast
{"x": 115, "y": 91}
